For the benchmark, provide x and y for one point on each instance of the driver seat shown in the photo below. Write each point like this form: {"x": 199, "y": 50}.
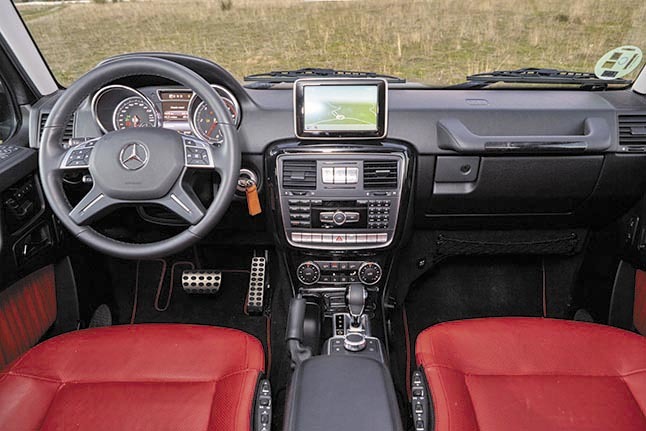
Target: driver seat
{"x": 134, "y": 377}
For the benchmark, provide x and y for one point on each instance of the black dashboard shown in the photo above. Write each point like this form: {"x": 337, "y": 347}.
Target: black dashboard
{"x": 474, "y": 157}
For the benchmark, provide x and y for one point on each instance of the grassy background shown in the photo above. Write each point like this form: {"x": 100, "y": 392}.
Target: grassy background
{"x": 432, "y": 41}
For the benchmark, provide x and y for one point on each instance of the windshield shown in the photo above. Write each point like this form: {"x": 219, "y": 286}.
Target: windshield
{"x": 437, "y": 42}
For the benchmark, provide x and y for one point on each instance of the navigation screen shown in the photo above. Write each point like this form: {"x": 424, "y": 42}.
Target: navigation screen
{"x": 338, "y": 108}
{"x": 329, "y": 108}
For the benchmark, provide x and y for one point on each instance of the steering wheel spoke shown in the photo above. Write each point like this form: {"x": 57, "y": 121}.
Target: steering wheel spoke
{"x": 184, "y": 203}
{"x": 93, "y": 205}
{"x": 78, "y": 156}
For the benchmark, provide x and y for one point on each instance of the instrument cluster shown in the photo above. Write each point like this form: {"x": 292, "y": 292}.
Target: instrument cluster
{"x": 117, "y": 107}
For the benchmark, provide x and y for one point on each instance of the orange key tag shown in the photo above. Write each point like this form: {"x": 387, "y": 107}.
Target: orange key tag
{"x": 253, "y": 203}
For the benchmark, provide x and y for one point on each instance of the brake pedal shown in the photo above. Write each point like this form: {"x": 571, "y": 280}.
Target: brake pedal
{"x": 256, "y": 292}
{"x": 202, "y": 282}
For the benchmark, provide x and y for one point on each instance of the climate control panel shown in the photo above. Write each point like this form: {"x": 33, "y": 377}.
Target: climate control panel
{"x": 338, "y": 272}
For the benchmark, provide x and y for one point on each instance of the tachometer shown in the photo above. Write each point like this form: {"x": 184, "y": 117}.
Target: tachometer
{"x": 134, "y": 112}
{"x": 204, "y": 122}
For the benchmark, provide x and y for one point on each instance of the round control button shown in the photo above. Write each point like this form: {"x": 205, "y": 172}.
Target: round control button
{"x": 308, "y": 273}
{"x": 370, "y": 273}
{"x": 354, "y": 342}
{"x": 339, "y": 218}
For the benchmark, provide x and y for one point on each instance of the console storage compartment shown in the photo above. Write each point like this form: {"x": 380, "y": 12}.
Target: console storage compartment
{"x": 342, "y": 393}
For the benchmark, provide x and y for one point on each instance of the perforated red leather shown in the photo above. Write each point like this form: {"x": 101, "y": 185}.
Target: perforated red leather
{"x": 530, "y": 374}
{"x": 134, "y": 377}
{"x": 27, "y": 310}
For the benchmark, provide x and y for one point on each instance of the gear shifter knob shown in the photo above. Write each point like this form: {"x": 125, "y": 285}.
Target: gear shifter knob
{"x": 356, "y": 299}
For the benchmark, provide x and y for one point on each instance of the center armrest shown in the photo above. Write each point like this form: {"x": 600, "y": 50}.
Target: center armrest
{"x": 342, "y": 393}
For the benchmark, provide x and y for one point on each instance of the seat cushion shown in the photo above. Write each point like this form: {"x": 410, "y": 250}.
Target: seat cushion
{"x": 534, "y": 374}
{"x": 134, "y": 377}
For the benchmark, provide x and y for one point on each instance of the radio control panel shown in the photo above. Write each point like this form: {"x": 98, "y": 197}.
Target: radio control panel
{"x": 340, "y": 201}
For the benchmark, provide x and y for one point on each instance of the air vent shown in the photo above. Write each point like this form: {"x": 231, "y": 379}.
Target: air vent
{"x": 632, "y": 132}
{"x": 299, "y": 174}
{"x": 69, "y": 128}
{"x": 380, "y": 174}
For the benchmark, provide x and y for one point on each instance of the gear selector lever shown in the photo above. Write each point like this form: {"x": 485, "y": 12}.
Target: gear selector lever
{"x": 355, "y": 339}
{"x": 356, "y": 298}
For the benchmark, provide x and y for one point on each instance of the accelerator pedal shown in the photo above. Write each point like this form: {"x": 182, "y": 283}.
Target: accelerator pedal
{"x": 201, "y": 282}
{"x": 256, "y": 294}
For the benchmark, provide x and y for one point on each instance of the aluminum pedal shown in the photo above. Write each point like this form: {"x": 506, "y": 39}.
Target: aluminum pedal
{"x": 202, "y": 282}
{"x": 256, "y": 293}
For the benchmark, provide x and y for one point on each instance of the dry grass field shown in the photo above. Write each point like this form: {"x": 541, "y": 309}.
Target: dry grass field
{"x": 432, "y": 41}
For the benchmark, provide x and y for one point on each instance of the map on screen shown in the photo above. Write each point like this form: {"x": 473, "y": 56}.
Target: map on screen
{"x": 340, "y": 108}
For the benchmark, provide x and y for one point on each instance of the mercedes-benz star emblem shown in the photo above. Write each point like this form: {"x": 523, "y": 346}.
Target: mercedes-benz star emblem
{"x": 133, "y": 156}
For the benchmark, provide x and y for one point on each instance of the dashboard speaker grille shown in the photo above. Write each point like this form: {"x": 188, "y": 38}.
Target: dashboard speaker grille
{"x": 380, "y": 174}
{"x": 299, "y": 174}
{"x": 69, "y": 127}
{"x": 632, "y": 132}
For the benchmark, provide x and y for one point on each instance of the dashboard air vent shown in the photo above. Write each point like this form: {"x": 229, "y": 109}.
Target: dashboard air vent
{"x": 632, "y": 132}
{"x": 380, "y": 174}
{"x": 299, "y": 174}
{"x": 69, "y": 127}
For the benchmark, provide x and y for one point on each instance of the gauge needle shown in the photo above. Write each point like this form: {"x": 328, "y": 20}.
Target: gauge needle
{"x": 212, "y": 128}
{"x": 135, "y": 121}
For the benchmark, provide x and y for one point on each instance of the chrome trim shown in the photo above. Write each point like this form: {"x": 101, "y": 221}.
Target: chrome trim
{"x": 311, "y": 263}
{"x": 364, "y": 264}
{"x": 146, "y": 101}
{"x": 102, "y": 91}
{"x": 180, "y": 203}
{"x": 94, "y": 201}
{"x": 340, "y": 152}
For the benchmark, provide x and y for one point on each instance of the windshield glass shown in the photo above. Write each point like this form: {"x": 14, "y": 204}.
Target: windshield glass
{"x": 437, "y": 42}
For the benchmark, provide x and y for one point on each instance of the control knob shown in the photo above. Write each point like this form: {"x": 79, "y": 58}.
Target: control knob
{"x": 339, "y": 218}
{"x": 308, "y": 273}
{"x": 369, "y": 273}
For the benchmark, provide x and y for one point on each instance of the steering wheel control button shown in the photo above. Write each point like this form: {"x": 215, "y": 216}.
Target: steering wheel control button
{"x": 78, "y": 158}
{"x": 197, "y": 156}
{"x": 370, "y": 273}
{"x": 308, "y": 273}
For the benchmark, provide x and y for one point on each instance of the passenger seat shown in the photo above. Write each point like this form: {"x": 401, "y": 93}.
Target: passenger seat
{"x": 528, "y": 374}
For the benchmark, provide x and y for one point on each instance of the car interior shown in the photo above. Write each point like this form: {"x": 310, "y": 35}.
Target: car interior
{"x": 318, "y": 250}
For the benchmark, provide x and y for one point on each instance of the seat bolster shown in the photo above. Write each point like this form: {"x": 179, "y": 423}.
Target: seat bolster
{"x": 148, "y": 377}
{"x": 521, "y": 346}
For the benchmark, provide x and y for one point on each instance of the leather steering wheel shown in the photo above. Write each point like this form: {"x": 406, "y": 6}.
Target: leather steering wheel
{"x": 138, "y": 166}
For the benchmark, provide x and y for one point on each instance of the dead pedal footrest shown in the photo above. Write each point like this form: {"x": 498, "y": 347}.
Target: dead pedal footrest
{"x": 256, "y": 293}
{"x": 202, "y": 282}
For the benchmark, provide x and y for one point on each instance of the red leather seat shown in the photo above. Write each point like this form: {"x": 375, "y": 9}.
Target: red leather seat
{"x": 534, "y": 374}
{"x": 137, "y": 377}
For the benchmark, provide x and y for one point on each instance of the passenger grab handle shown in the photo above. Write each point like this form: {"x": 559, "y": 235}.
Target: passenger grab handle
{"x": 455, "y": 136}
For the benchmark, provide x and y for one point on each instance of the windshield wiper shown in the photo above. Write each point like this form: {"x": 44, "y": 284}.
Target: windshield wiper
{"x": 532, "y": 75}
{"x": 279, "y": 76}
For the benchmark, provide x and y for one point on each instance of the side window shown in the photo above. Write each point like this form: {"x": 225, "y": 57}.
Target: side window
{"x": 7, "y": 114}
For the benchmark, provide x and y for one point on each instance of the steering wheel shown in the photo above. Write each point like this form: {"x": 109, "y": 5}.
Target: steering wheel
{"x": 139, "y": 165}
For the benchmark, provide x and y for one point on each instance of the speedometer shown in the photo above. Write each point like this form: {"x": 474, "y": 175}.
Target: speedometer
{"x": 134, "y": 112}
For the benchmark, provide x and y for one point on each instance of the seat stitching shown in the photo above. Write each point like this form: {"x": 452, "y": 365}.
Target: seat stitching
{"x": 473, "y": 407}
{"x": 546, "y": 374}
{"x": 29, "y": 376}
{"x": 51, "y": 402}
{"x": 630, "y": 391}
